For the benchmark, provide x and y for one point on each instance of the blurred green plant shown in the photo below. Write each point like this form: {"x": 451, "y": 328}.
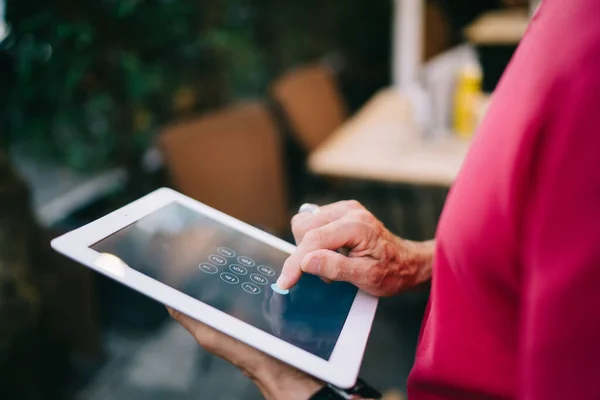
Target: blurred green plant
{"x": 90, "y": 82}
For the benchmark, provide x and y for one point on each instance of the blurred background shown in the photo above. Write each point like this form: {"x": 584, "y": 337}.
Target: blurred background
{"x": 251, "y": 106}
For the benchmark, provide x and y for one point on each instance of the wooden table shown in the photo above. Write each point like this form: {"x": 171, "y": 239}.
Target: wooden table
{"x": 381, "y": 143}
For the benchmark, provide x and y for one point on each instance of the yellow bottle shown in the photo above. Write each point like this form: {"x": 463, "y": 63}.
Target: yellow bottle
{"x": 466, "y": 100}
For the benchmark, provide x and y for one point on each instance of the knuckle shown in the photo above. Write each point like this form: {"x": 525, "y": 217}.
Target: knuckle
{"x": 353, "y": 205}
{"x": 300, "y": 227}
{"x": 176, "y": 315}
{"x": 304, "y": 223}
{"x": 295, "y": 219}
{"x": 298, "y": 220}
{"x": 363, "y": 216}
{"x": 315, "y": 236}
{"x": 296, "y": 228}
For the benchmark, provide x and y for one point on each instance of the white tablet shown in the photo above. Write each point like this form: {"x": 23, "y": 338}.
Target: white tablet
{"x": 219, "y": 271}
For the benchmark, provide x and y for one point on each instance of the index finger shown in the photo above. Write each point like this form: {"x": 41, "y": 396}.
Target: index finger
{"x": 333, "y": 236}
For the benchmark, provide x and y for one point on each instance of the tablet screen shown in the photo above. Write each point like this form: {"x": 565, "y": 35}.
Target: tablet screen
{"x": 233, "y": 272}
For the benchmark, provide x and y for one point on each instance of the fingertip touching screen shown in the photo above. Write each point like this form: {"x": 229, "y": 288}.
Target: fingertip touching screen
{"x": 233, "y": 272}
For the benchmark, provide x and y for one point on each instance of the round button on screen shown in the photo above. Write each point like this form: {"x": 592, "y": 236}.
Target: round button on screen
{"x": 208, "y": 268}
{"x": 226, "y": 251}
{"x": 261, "y": 280}
{"x": 229, "y": 278}
{"x": 238, "y": 269}
{"x": 250, "y": 288}
{"x": 267, "y": 271}
{"x": 246, "y": 261}
{"x": 215, "y": 259}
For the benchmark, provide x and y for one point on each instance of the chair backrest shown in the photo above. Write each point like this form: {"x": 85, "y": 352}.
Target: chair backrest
{"x": 311, "y": 102}
{"x": 231, "y": 160}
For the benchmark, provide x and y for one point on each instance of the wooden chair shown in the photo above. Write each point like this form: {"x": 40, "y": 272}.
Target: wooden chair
{"x": 311, "y": 103}
{"x": 231, "y": 160}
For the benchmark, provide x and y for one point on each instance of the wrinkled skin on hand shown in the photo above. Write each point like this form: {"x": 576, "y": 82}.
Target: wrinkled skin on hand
{"x": 377, "y": 261}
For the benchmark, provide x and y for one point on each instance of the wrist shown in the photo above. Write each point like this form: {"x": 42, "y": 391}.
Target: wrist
{"x": 422, "y": 257}
{"x": 283, "y": 382}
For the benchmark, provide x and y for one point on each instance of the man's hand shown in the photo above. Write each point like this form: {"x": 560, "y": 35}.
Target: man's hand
{"x": 377, "y": 262}
{"x": 275, "y": 379}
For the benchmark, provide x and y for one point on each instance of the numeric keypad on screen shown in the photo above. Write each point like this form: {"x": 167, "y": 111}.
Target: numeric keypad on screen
{"x": 233, "y": 269}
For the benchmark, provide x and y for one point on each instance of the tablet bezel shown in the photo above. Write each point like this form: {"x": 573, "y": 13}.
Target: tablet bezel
{"x": 340, "y": 370}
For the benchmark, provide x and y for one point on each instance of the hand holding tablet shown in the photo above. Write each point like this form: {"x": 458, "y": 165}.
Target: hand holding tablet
{"x": 260, "y": 367}
{"x": 221, "y": 271}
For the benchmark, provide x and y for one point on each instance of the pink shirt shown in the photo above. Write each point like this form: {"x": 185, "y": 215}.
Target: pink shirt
{"x": 514, "y": 311}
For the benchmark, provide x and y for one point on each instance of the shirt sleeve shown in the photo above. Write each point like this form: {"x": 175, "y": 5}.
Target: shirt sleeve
{"x": 559, "y": 329}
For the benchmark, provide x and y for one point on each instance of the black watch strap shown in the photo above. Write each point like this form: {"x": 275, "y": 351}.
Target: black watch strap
{"x": 326, "y": 393}
{"x": 360, "y": 389}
